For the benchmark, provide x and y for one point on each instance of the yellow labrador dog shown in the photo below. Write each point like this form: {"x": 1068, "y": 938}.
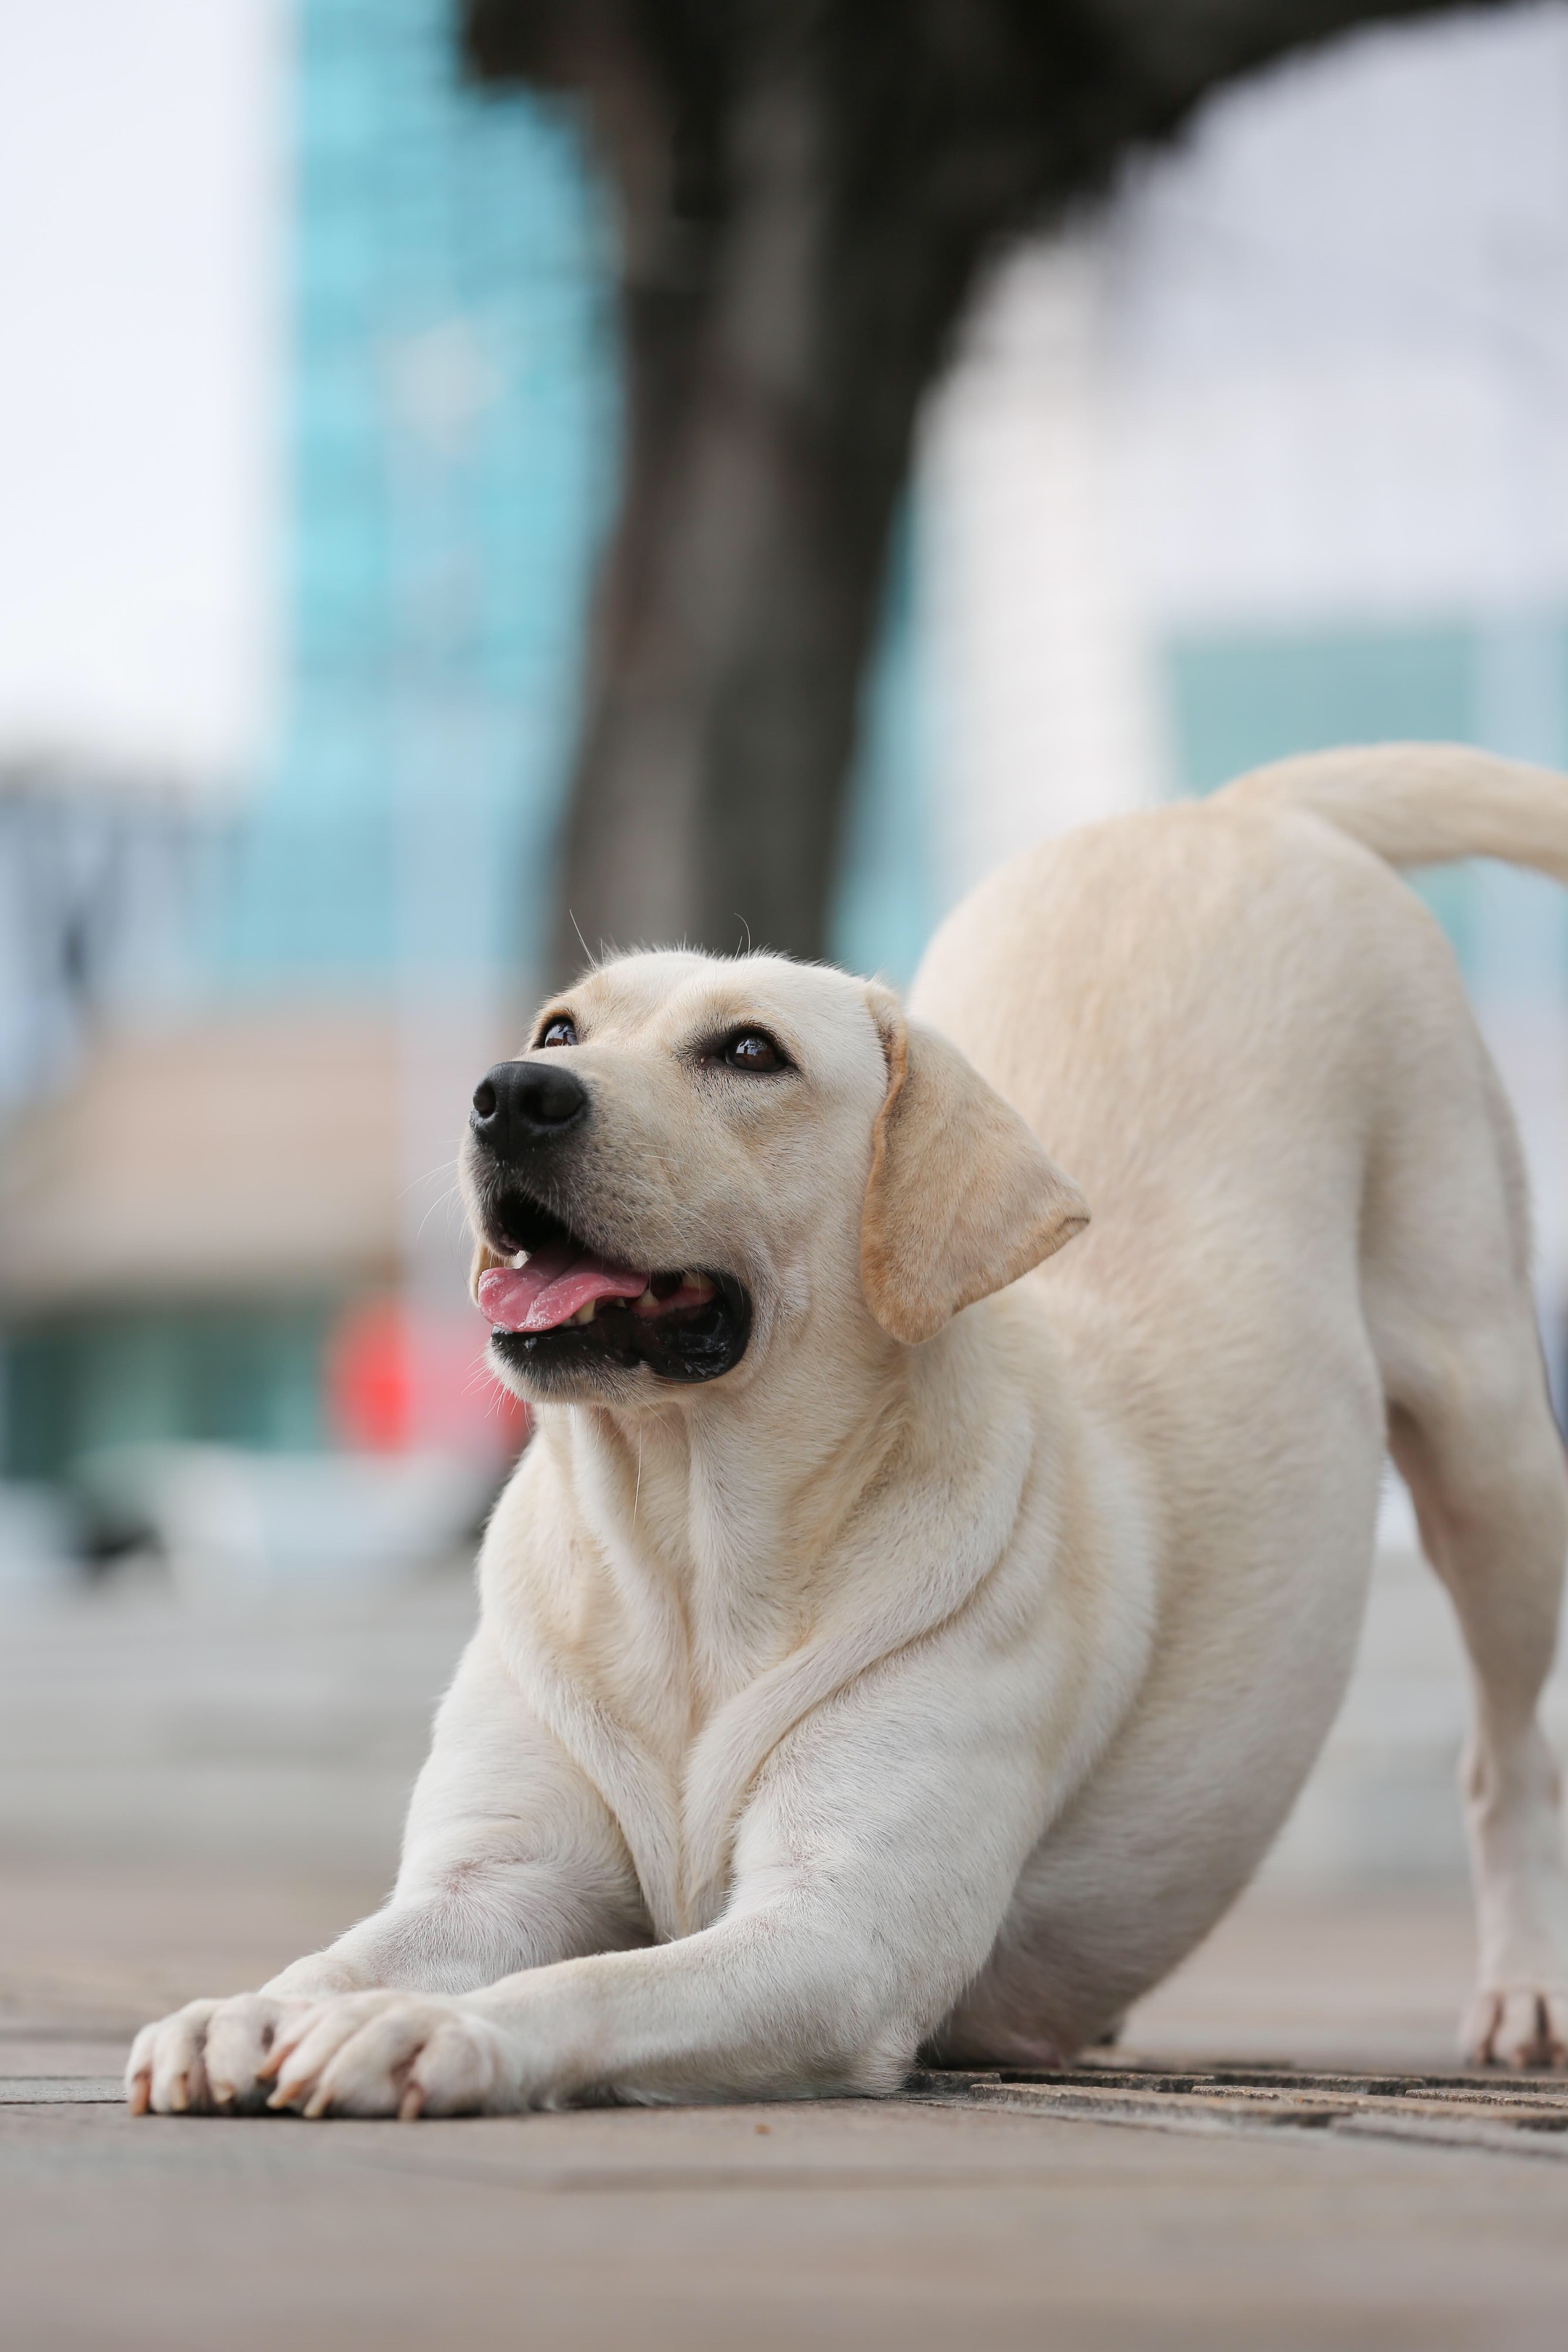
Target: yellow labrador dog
{"x": 887, "y": 1645}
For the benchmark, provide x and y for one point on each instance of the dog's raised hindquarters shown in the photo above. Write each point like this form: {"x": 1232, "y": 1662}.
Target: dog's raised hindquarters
{"x": 883, "y": 1644}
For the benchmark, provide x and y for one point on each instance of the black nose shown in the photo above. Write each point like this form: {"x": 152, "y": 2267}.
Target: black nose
{"x": 520, "y": 1104}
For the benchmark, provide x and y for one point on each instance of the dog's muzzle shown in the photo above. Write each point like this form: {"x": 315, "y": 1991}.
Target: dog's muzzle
{"x": 560, "y": 1309}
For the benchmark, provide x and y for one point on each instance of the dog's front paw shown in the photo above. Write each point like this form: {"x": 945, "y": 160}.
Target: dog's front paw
{"x": 394, "y": 2054}
{"x": 1517, "y": 2026}
{"x": 207, "y": 2057}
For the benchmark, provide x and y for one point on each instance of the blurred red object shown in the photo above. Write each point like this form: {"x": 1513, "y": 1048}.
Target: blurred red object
{"x": 396, "y": 1381}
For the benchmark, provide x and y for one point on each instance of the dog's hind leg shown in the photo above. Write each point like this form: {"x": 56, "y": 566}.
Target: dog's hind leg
{"x": 1446, "y": 1283}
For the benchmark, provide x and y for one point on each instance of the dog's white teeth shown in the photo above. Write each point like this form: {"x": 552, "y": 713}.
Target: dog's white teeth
{"x": 519, "y": 1258}
{"x": 587, "y": 1312}
{"x": 645, "y": 1298}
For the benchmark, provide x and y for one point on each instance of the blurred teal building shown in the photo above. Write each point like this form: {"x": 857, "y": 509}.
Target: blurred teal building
{"x": 448, "y": 461}
{"x": 450, "y": 457}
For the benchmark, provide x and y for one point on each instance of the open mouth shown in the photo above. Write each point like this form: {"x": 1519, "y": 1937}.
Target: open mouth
{"x": 559, "y": 1306}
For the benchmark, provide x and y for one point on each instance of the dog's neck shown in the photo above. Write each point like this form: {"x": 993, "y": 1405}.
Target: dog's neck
{"x": 730, "y": 1504}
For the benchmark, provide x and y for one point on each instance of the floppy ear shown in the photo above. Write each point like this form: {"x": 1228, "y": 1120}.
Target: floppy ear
{"x": 484, "y": 1257}
{"x": 962, "y": 1198}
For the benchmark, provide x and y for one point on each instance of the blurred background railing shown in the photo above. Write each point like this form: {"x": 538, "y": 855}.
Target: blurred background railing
{"x": 311, "y": 425}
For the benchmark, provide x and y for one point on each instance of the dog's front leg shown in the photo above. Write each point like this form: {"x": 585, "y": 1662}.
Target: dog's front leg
{"x": 872, "y": 1870}
{"x": 511, "y": 1861}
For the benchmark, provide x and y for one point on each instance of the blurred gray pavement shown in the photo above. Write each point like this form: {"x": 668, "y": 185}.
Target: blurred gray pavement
{"x": 134, "y": 1726}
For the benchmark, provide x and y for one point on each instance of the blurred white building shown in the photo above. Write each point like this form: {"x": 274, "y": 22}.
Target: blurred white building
{"x": 1272, "y": 454}
{"x": 1278, "y": 441}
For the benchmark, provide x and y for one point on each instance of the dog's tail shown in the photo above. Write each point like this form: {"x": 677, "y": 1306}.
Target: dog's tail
{"x": 1424, "y": 803}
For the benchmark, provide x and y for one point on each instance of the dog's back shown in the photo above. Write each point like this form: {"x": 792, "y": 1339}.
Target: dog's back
{"x": 1193, "y": 1007}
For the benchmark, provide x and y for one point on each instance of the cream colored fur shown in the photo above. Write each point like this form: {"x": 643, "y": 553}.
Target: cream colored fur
{"x": 938, "y": 1676}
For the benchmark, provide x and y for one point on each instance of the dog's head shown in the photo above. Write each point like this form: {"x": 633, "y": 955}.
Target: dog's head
{"x": 696, "y": 1157}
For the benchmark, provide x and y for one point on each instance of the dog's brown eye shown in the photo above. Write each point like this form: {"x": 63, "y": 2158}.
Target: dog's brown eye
{"x": 561, "y": 1031}
{"x": 751, "y": 1049}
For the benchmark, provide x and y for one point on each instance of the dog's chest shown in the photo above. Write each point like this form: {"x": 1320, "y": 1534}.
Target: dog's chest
{"x": 668, "y": 1710}
{"x": 671, "y": 1655}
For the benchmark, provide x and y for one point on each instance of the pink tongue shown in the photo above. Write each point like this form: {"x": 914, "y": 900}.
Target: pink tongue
{"x": 550, "y": 1285}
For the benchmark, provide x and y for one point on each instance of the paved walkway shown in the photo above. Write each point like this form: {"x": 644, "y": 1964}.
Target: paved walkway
{"x": 1299, "y": 2196}
{"x": 1122, "y": 2211}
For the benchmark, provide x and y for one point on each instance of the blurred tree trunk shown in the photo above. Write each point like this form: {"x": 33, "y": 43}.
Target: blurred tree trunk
{"x": 806, "y": 192}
